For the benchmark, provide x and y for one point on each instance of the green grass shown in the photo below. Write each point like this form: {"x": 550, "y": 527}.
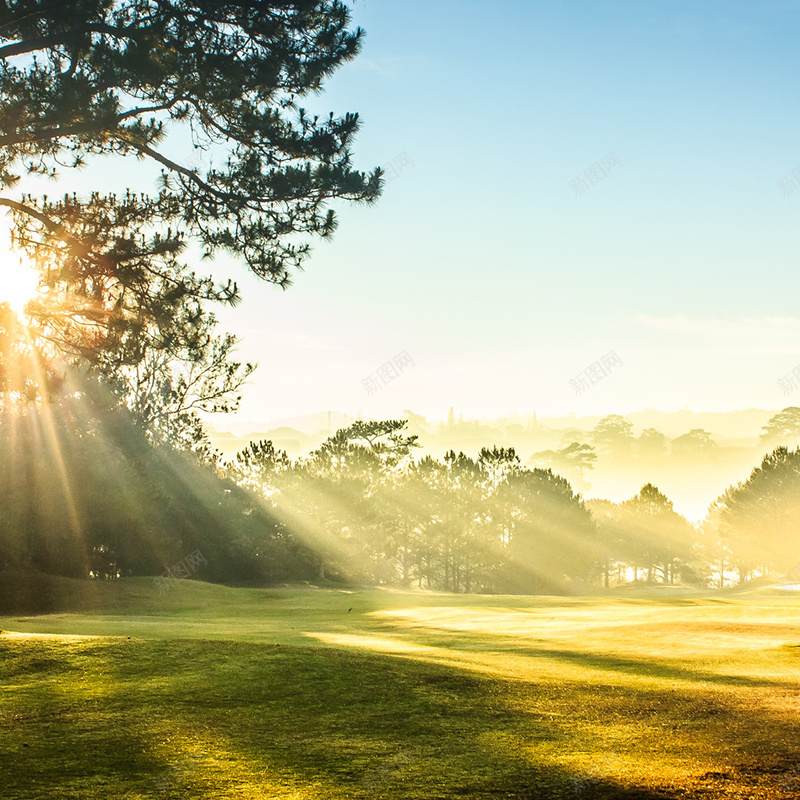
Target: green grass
{"x": 208, "y": 691}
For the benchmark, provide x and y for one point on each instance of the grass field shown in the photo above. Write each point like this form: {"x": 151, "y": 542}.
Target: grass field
{"x": 209, "y": 691}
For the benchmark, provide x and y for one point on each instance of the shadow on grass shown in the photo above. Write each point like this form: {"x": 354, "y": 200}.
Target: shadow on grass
{"x": 100, "y": 718}
{"x": 476, "y": 641}
{"x": 133, "y": 718}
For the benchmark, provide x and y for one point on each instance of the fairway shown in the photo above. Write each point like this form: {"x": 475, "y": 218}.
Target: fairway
{"x": 209, "y": 691}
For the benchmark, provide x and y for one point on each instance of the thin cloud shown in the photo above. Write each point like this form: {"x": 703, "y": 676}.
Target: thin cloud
{"x": 749, "y": 327}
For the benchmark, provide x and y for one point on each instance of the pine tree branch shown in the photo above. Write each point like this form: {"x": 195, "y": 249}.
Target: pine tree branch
{"x": 48, "y": 222}
{"x": 44, "y": 42}
{"x": 174, "y": 166}
{"x": 93, "y": 127}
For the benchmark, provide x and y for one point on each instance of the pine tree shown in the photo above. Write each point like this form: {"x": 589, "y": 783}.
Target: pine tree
{"x": 133, "y": 79}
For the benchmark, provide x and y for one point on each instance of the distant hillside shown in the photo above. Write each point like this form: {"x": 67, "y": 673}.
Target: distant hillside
{"x": 692, "y": 484}
{"x": 294, "y": 442}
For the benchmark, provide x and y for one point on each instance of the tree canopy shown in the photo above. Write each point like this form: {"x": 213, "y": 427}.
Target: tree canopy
{"x": 209, "y": 92}
{"x": 612, "y": 435}
{"x": 759, "y": 518}
{"x": 783, "y": 428}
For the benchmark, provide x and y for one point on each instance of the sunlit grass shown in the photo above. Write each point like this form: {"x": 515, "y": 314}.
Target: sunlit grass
{"x": 310, "y": 693}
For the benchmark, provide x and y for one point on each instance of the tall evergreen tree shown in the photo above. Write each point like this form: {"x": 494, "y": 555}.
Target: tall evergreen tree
{"x": 760, "y": 518}
{"x": 208, "y": 92}
{"x": 783, "y": 428}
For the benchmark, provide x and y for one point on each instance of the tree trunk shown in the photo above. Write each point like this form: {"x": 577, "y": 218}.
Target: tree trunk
{"x": 405, "y": 556}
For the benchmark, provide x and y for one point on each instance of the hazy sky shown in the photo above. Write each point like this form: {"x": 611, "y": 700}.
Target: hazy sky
{"x": 498, "y": 279}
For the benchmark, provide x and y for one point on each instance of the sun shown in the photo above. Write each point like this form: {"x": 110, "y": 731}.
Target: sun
{"x": 18, "y": 280}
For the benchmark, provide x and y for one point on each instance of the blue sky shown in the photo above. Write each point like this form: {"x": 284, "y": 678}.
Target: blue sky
{"x": 483, "y": 264}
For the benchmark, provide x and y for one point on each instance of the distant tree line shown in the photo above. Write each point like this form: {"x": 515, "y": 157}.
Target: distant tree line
{"x": 86, "y": 491}
{"x": 463, "y": 524}
{"x": 612, "y": 441}
{"x": 374, "y": 514}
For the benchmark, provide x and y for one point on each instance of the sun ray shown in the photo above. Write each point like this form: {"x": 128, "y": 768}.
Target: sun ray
{"x": 52, "y": 438}
{"x": 19, "y": 280}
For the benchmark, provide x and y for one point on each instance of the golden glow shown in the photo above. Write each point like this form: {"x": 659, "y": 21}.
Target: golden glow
{"x": 18, "y": 280}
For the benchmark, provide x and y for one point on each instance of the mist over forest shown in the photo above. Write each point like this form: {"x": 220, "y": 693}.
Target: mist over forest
{"x": 693, "y": 456}
{"x": 245, "y": 552}
{"x": 368, "y": 506}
